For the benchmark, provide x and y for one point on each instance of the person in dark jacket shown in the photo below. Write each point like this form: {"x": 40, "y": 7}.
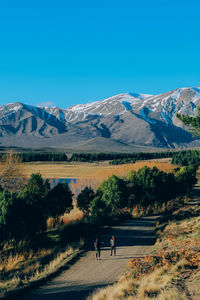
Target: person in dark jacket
{"x": 112, "y": 246}
{"x": 97, "y": 247}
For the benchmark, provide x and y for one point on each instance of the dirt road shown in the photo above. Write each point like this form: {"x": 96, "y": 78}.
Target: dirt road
{"x": 134, "y": 239}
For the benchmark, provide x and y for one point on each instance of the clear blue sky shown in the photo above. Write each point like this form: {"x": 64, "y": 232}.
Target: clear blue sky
{"x": 69, "y": 52}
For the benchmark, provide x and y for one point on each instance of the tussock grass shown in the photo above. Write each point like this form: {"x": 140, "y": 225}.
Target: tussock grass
{"x": 29, "y": 267}
{"x": 157, "y": 285}
{"x": 55, "y": 263}
{"x": 74, "y": 215}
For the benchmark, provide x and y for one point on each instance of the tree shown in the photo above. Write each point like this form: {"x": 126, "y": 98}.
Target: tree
{"x": 186, "y": 178}
{"x": 98, "y": 207}
{"x": 134, "y": 189}
{"x": 85, "y": 198}
{"x": 192, "y": 122}
{"x": 111, "y": 196}
{"x": 59, "y": 200}
{"x": 6, "y": 214}
{"x": 147, "y": 186}
{"x": 33, "y": 202}
{"x": 11, "y": 177}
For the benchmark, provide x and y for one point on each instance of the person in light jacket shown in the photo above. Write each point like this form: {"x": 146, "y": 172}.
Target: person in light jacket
{"x": 112, "y": 245}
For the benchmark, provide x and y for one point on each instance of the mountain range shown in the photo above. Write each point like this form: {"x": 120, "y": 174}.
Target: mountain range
{"x": 124, "y": 122}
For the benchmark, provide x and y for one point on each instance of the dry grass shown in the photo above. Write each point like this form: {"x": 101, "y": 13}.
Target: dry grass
{"x": 55, "y": 263}
{"x": 74, "y": 215}
{"x": 88, "y": 170}
{"x": 184, "y": 231}
{"x": 157, "y": 285}
{"x": 27, "y": 268}
{"x": 19, "y": 260}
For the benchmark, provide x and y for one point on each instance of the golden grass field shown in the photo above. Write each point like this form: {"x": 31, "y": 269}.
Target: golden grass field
{"x": 89, "y": 170}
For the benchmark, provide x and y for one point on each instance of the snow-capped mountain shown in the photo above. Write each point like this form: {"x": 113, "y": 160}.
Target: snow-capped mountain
{"x": 120, "y": 123}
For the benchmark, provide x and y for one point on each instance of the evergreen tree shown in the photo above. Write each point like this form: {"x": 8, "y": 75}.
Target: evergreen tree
{"x": 59, "y": 200}
{"x": 192, "y": 122}
{"x": 33, "y": 202}
{"x": 84, "y": 199}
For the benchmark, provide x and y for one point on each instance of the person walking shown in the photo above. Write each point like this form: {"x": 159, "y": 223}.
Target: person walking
{"x": 112, "y": 246}
{"x": 97, "y": 247}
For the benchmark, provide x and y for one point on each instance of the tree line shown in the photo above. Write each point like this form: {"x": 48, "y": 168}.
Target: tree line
{"x": 90, "y": 157}
{"x": 122, "y": 161}
{"x": 23, "y": 215}
{"x": 186, "y": 158}
{"x": 145, "y": 187}
{"x": 180, "y": 157}
{"x": 38, "y": 156}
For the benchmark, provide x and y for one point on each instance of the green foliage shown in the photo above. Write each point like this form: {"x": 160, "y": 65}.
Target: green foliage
{"x": 122, "y": 161}
{"x": 6, "y": 213}
{"x": 192, "y": 122}
{"x": 23, "y": 216}
{"x": 186, "y": 178}
{"x": 150, "y": 185}
{"x": 98, "y": 207}
{"x": 119, "y": 157}
{"x": 12, "y": 217}
{"x": 59, "y": 200}
{"x": 186, "y": 158}
{"x": 39, "y": 156}
{"x": 84, "y": 199}
{"x": 144, "y": 188}
{"x": 111, "y": 196}
{"x": 33, "y": 203}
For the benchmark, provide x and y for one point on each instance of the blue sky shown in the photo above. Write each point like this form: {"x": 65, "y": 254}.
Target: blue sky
{"x": 69, "y": 52}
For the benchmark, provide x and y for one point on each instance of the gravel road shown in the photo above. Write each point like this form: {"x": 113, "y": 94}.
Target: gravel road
{"x": 135, "y": 238}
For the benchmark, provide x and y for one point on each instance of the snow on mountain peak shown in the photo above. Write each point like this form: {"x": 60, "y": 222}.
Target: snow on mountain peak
{"x": 148, "y": 107}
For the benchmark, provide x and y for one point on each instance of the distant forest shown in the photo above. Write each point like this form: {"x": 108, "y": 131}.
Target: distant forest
{"x": 39, "y": 156}
{"x": 186, "y": 158}
{"x": 183, "y": 158}
{"x": 119, "y": 157}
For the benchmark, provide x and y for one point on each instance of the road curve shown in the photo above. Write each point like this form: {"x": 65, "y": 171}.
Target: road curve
{"x": 135, "y": 238}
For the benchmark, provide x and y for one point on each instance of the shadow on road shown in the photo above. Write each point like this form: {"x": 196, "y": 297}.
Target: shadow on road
{"x": 63, "y": 293}
{"x": 131, "y": 233}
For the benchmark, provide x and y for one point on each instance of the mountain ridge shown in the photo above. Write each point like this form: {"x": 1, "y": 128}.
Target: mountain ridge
{"x": 124, "y": 121}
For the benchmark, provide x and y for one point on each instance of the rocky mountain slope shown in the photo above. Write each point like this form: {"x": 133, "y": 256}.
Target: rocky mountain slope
{"x": 125, "y": 122}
